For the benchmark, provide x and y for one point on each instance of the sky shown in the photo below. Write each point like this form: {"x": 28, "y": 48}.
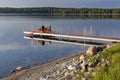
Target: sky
{"x": 61, "y": 3}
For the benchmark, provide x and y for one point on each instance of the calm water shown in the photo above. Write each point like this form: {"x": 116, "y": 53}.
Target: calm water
{"x": 17, "y": 51}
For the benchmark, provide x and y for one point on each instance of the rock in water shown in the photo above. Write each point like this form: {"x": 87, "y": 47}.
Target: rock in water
{"x": 19, "y": 68}
{"x": 91, "y": 51}
{"x": 12, "y": 71}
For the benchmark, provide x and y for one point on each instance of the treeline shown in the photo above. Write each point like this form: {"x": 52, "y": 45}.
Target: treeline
{"x": 52, "y": 11}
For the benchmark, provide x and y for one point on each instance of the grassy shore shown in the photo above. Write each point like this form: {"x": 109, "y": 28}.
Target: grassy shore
{"x": 106, "y": 72}
{"x": 112, "y": 71}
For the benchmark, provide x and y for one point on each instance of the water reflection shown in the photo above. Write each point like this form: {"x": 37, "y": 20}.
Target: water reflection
{"x": 42, "y": 41}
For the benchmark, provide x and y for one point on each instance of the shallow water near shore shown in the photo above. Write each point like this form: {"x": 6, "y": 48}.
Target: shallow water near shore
{"x": 17, "y": 51}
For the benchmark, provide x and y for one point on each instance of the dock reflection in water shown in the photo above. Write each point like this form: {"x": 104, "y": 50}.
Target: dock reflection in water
{"x": 66, "y": 41}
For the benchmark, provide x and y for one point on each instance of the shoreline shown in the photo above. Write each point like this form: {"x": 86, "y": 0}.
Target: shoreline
{"x": 42, "y": 67}
{"x": 71, "y": 67}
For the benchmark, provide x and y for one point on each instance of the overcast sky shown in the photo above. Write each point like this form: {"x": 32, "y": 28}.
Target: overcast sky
{"x": 61, "y": 3}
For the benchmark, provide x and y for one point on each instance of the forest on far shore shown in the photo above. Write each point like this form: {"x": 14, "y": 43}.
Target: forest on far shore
{"x": 52, "y": 11}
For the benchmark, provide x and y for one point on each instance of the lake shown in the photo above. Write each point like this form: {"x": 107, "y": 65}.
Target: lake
{"x": 17, "y": 51}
